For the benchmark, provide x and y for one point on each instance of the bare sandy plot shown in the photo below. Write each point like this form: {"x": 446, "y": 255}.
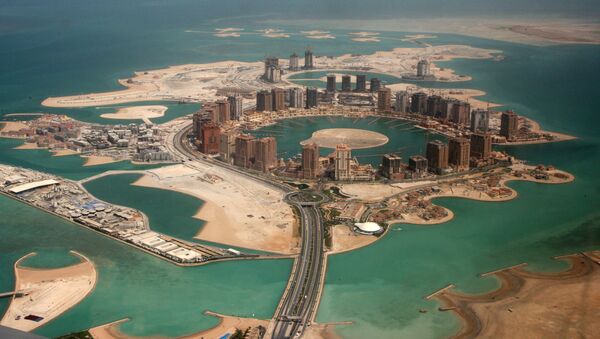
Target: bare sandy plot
{"x": 344, "y": 239}
{"x": 355, "y": 138}
{"x": 50, "y": 292}
{"x": 195, "y": 82}
{"x": 93, "y": 160}
{"x": 238, "y": 211}
{"x": 533, "y": 304}
{"x": 63, "y": 152}
{"x": 29, "y": 145}
{"x": 137, "y": 112}
{"x": 369, "y": 192}
{"x": 12, "y": 126}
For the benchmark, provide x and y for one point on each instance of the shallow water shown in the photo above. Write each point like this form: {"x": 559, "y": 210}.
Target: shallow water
{"x": 67, "y": 49}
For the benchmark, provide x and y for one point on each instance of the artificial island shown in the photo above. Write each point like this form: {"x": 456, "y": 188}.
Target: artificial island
{"x": 308, "y": 205}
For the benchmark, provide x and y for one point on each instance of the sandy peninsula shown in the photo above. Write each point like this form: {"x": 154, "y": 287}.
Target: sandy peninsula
{"x": 29, "y": 145}
{"x": 94, "y": 160}
{"x": 411, "y": 202}
{"x": 50, "y": 292}
{"x": 534, "y": 31}
{"x": 365, "y": 36}
{"x": 63, "y": 152}
{"x": 346, "y": 240}
{"x": 227, "y": 325}
{"x": 238, "y": 211}
{"x": 137, "y": 112}
{"x": 532, "y": 304}
{"x": 203, "y": 82}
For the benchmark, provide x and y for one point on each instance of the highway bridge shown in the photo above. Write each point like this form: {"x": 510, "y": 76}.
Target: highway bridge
{"x": 300, "y": 300}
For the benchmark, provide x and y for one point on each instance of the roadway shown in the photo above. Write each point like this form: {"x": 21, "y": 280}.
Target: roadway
{"x": 301, "y": 298}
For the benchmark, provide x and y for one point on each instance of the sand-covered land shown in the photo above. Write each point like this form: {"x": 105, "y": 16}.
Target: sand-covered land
{"x": 227, "y": 325}
{"x": 63, "y": 152}
{"x": 536, "y": 128}
{"x": 368, "y": 192}
{"x": 539, "y": 31}
{"x": 344, "y": 239}
{"x": 94, "y": 160}
{"x": 353, "y": 137}
{"x": 50, "y": 292}
{"x": 238, "y": 211}
{"x": 12, "y": 126}
{"x": 532, "y": 304}
{"x": 137, "y": 112}
{"x": 203, "y": 82}
{"x": 411, "y": 202}
{"x": 29, "y": 145}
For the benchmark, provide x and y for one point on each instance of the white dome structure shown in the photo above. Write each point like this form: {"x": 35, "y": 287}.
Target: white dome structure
{"x": 368, "y": 227}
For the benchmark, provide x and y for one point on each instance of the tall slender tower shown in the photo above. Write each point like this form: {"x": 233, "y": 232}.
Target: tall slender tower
{"x": 308, "y": 59}
{"x": 342, "y": 170}
{"x": 310, "y": 161}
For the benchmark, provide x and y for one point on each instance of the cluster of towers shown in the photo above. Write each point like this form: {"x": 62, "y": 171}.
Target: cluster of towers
{"x": 449, "y": 110}
{"x": 459, "y": 154}
{"x": 278, "y": 99}
{"x": 273, "y": 70}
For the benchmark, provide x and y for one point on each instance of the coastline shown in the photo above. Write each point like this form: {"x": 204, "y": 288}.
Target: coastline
{"x": 165, "y": 84}
{"x": 94, "y": 160}
{"x": 540, "y": 304}
{"x": 273, "y": 231}
{"x": 137, "y": 113}
{"x": 50, "y": 292}
{"x": 226, "y": 324}
{"x": 352, "y": 241}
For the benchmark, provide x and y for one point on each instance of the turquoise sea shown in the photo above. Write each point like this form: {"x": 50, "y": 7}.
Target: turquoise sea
{"x": 71, "y": 47}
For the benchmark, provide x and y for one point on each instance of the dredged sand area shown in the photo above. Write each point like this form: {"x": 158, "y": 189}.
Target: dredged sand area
{"x": 353, "y": 137}
{"x": 532, "y": 304}
{"x": 50, "y": 292}
{"x": 137, "y": 112}
{"x": 94, "y": 160}
{"x": 238, "y": 211}
{"x": 200, "y": 82}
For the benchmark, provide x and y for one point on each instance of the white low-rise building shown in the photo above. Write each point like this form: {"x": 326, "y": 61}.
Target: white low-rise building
{"x": 367, "y": 228}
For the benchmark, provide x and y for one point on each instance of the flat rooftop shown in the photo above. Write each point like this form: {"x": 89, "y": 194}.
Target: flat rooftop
{"x": 33, "y": 185}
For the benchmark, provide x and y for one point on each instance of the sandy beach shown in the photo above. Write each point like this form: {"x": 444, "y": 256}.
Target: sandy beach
{"x": 93, "y": 160}
{"x": 227, "y": 324}
{"x": 238, "y": 211}
{"x": 29, "y": 145}
{"x": 50, "y": 292}
{"x": 533, "y": 31}
{"x": 63, "y": 152}
{"x": 201, "y": 82}
{"x": 533, "y": 304}
{"x": 137, "y": 112}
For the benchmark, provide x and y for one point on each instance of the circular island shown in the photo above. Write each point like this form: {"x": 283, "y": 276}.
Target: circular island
{"x": 354, "y": 138}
